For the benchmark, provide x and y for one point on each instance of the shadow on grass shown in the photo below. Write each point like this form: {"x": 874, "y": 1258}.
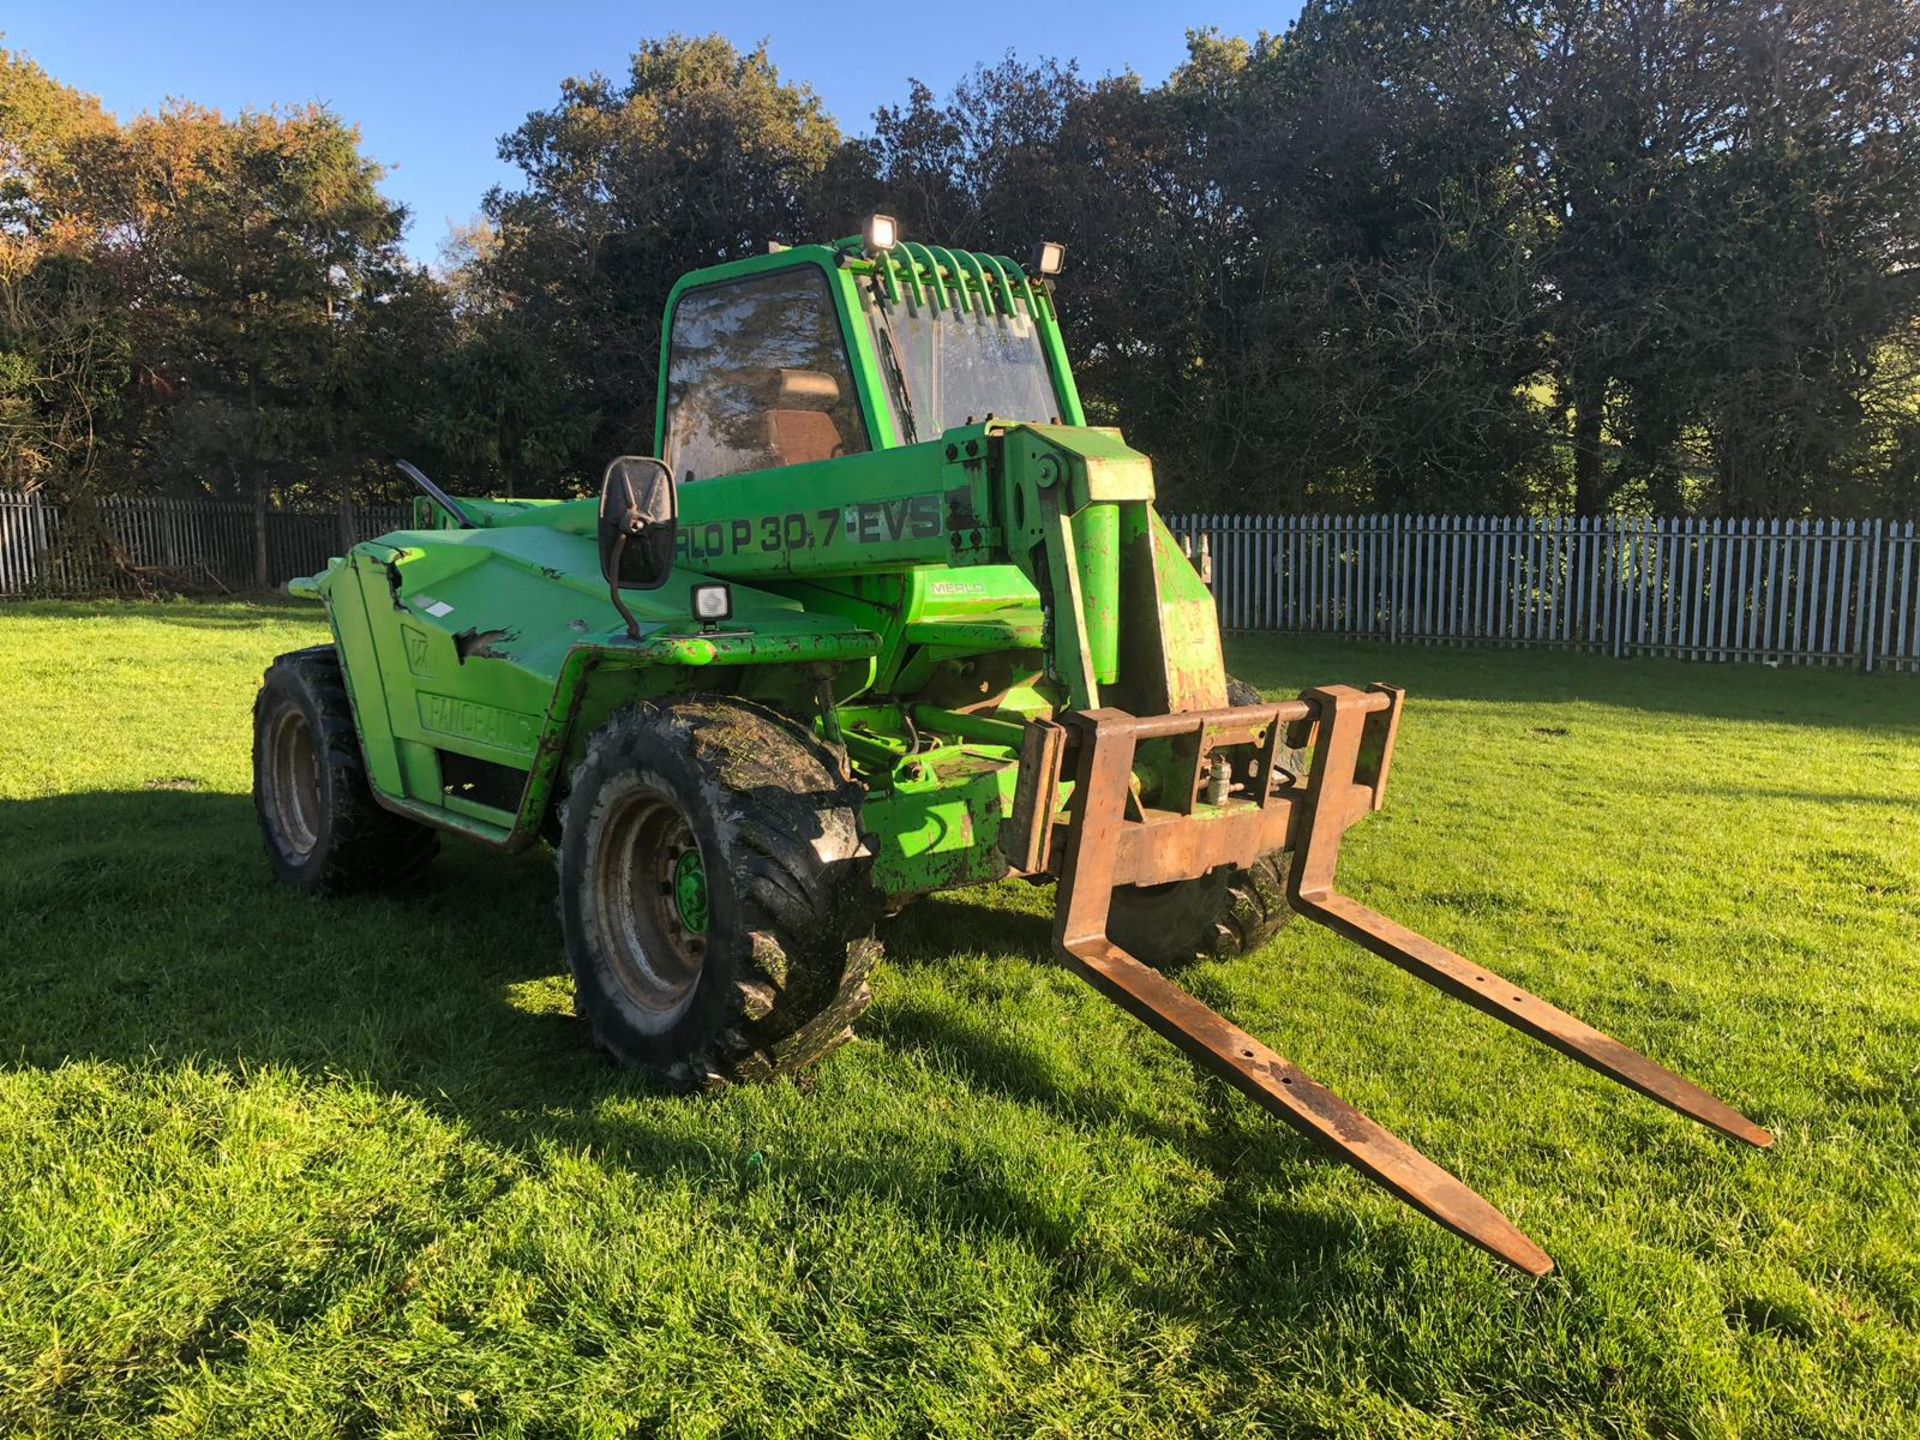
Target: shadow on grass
{"x": 938, "y": 925}
{"x": 145, "y": 928}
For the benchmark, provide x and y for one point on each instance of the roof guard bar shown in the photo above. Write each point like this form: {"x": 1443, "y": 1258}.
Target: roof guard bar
{"x": 972, "y": 261}
{"x": 968, "y": 301}
{"x": 912, "y": 269}
{"x": 1002, "y": 283}
{"x": 944, "y": 256}
{"x": 1008, "y": 273}
{"x": 921, "y": 255}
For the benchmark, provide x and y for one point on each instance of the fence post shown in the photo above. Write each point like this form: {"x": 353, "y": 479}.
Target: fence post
{"x": 1616, "y": 591}
{"x": 1903, "y": 646}
{"x": 1394, "y": 570}
{"x": 1869, "y": 597}
{"x": 260, "y": 562}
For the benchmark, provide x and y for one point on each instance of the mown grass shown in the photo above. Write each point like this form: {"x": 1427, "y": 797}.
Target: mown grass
{"x": 276, "y": 1166}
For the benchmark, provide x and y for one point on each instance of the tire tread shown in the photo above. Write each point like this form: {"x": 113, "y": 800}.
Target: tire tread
{"x": 366, "y": 847}
{"x": 801, "y": 976}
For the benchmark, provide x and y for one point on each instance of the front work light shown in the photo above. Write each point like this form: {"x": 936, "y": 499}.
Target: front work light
{"x": 1049, "y": 257}
{"x": 712, "y": 603}
{"x": 882, "y": 234}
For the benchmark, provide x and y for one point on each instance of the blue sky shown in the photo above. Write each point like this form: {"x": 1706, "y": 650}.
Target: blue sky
{"x": 433, "y": 86}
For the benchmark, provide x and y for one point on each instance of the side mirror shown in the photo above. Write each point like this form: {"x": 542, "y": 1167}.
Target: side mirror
{"x": 639, "y": 518}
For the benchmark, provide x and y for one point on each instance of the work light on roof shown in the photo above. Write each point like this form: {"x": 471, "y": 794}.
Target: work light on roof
{"x": 1049, "y": 257}
{"x": 882, "y": 233}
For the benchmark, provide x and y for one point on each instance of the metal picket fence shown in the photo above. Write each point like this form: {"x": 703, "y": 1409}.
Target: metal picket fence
{"x": 148, "y": 543}
{"x": 1828, "y": 592}
{"x": 1833, "y": 592}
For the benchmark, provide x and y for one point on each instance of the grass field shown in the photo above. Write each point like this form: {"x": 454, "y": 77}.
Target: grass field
{"x": 277, "y": 1166}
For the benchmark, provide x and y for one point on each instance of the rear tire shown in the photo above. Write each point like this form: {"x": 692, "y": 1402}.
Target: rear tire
{"x": 1218, "y": 916}
{"x": 324, "y": 832}
{"x": 715, "y": 893}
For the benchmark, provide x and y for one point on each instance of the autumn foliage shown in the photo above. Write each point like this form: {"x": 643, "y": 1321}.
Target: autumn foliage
{"x": 1414, "y": 256}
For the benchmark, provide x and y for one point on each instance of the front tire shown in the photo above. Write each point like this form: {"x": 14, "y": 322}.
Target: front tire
{"x": 1218, "y": 916}
{"x": 715, "y": 893}
{"x": 323, "y": 830}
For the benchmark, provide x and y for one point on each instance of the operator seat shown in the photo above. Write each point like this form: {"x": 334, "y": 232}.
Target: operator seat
{"x": 800, "y": 426}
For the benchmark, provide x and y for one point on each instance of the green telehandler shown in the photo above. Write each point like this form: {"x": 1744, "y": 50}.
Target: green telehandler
{"x": 885, "y": 617}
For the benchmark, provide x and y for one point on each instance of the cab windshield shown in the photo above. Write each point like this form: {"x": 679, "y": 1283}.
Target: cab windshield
{"x": 947, "y": 367}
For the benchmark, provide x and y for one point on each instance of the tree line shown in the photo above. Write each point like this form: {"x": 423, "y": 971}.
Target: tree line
{"x": 1597, "y": 255}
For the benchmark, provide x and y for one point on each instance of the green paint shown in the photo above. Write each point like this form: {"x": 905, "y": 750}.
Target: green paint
{"x": 690, "y": 891}
{"x": 924, "y": 576}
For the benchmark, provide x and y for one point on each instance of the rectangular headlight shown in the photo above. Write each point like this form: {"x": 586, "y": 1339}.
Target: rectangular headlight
{"x": 712, "y": 602}
{"x": 1049, "y": 257}
{"x": 882, "y": 234}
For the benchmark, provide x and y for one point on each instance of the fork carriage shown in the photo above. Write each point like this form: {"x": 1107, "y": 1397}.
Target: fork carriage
{"x": 1105, "y": 838}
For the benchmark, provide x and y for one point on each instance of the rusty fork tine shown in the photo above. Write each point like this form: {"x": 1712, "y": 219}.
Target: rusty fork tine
{"x": 1352, "y": 734}
{"x": 1484, "y": 990}
{"x": 1285, "y": 1090}
{"x": 1346, "y": 783}
{"x": 1080, "y": 939}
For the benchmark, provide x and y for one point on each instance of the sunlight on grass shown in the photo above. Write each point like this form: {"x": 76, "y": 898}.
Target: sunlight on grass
{"x": 275, "y": 1165}
{"x": 549, "y": 995}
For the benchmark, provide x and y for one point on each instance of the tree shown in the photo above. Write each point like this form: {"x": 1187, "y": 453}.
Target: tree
{"x": 1294, "y": 282}
{"x": 1723, "y": 194}
{"x": 700, "y": 154}
{"x": 1412, "y": 254}
{"x": 64, "y": 352}
{"x": 1391, "y": 328}
{"x": 267, "y": 261}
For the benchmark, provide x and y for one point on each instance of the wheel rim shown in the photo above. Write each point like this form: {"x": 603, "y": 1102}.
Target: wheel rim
{"x": 651, "y": 886}
{"x": 690, "y": 890}
{"x": 293, "y": 781}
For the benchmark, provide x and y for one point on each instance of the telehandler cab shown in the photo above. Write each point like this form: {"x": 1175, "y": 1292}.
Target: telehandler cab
{"x": 886, "y": 617}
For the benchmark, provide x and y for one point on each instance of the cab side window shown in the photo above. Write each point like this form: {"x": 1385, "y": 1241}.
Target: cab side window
{"x": 757, "y": 376}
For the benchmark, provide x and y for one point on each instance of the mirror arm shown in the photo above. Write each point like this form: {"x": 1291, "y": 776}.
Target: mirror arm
{"x": 613, "y": 586}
